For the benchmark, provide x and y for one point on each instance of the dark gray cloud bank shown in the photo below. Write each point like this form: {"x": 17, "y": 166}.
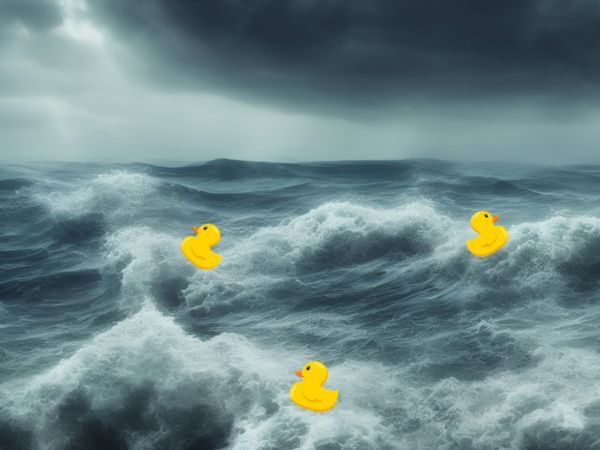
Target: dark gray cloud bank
{"x": 300, "y": 79}
{"x": 356, "y": 51}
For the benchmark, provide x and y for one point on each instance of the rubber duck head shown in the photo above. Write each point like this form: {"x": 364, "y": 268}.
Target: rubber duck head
{"x": 209, "y": 233}
{"x": 482, "y": 221}
{"x": 314, "y": 372}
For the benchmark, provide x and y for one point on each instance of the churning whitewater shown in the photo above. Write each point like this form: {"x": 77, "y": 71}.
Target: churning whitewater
{"x": 110, "y": 338}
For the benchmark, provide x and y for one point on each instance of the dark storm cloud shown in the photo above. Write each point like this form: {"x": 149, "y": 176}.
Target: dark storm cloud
{"x": 357, "y": 51}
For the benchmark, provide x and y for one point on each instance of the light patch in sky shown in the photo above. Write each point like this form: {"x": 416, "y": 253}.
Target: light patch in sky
{"x": 76, "y": 24}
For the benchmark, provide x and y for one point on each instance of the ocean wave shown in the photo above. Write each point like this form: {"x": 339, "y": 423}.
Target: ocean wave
{"x": 81, "y": 229}
{"x": 554, "y": 254}
{"x": 341, "y": 235}
{"x": 481, "y": 186}
{"x": 114, "y": 194}
{"x": 143, "y": 383}
{"x": 14, "y": 184}
{"x": 238, "y": 201}
{"x": 149, "y": 263}
{"x": 332, "y": 236}
{"x": 146, "y": 383}
{"x": 230, "y": 170}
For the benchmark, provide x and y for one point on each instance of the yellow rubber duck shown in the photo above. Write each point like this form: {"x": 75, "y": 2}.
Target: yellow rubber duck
{"x": 197, "y": 248}
{"x": 309, "y": 393}
{"x": 491, "y": 237}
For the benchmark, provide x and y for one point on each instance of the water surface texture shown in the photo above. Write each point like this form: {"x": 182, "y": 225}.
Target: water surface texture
{"x": 109, "y": 338}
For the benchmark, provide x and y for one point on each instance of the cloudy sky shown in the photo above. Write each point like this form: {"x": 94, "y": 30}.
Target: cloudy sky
{"x": 293, "y": 80}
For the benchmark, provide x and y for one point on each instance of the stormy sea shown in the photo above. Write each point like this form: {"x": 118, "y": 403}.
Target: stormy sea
{"x": 111, "y": 339}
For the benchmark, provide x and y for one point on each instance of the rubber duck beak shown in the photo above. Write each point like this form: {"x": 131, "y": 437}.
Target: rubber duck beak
{"x": 495, "y": 218}
{"x": 297, "y": 372}
{"x": 195, "y": 228}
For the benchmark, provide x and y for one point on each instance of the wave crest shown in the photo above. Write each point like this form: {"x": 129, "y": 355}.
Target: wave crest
{"x": 116, "y": 194}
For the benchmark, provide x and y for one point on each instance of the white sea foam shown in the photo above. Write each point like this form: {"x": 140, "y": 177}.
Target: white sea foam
{"x": 538, "y": 262}
{"x": 335, "y": 234}
{"x": 543, "y": 255}
{"x": 117, "y": 194}
{"x": 147, "y": 257}
{"x": 537, "y": 255}
{"x": 227, "y": 377}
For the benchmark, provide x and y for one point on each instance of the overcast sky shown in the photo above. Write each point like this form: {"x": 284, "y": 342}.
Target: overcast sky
{"x": 294, "y": 80}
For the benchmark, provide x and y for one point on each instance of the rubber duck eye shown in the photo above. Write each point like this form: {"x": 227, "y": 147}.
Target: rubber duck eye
{"x": 307, "y": 367}
{"x": 206, "y": 228}
{"x": 486, "y": 216}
